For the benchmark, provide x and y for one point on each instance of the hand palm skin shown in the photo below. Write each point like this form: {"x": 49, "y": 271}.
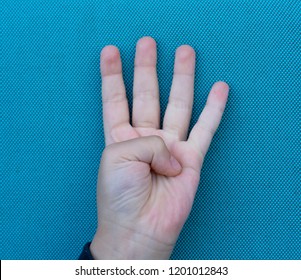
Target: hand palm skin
{"x": 133, "y": 199}
{"x": 144, "y": 201}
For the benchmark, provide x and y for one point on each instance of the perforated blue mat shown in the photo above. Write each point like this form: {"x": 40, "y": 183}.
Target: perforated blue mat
{"x": 248, "y": 202}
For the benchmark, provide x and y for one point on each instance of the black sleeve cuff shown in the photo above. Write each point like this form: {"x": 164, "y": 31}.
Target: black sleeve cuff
{"x": 86, "y": 253}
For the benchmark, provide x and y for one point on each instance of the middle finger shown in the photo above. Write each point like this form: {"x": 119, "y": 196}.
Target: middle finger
{"x": 146, "y": 103}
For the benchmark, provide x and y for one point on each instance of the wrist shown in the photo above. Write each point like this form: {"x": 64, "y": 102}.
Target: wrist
{"x": 126, "y": 244}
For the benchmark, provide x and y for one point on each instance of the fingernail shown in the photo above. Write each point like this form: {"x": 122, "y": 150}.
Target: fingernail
{"x": 175, "y": 164}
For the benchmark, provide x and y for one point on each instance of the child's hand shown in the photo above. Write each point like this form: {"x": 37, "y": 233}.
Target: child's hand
{"x": 143, "y": 199}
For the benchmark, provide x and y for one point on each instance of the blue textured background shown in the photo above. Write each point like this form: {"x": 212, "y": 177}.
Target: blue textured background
{"x": 248, "y": 203}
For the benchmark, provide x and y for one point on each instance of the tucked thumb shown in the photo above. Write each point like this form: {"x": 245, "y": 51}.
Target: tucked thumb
{"x": 148, "y": 149}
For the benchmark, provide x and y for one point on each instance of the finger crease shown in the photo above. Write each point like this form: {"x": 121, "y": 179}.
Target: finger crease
{"x": 179, "y": 103}
{"x": 205, "y": 127}
{"x": 115, "y": 98}
{"x": 216, "y": 108}
{"x": 146, "y": 95}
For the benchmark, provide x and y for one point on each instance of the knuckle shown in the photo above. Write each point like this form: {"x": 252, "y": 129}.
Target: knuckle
{"x": 156, "y": 139}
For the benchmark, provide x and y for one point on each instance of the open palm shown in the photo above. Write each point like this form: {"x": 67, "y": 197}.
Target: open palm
{"x": 154, "y": 205}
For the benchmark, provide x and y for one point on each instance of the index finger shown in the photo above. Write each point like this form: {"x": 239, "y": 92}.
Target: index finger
{"x": 114, "y": 100}
{"x": 203, "y": 131}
